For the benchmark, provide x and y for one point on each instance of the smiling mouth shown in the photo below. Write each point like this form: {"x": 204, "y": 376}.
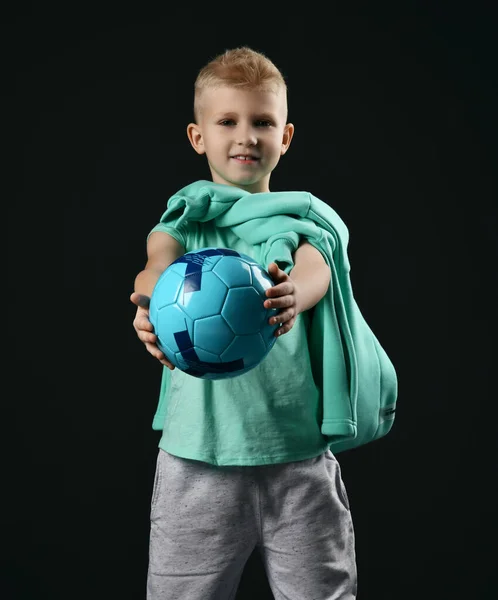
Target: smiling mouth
{"x": 244, "y": 159}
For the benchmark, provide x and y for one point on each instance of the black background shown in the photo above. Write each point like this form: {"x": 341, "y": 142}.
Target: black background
{"x": 396, "y": 128}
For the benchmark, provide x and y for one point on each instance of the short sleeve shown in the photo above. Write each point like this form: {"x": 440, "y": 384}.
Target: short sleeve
{"x": 180, "y": 233}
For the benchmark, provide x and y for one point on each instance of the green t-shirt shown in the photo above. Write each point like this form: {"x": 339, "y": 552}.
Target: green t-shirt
{"x": 271, "y": 414}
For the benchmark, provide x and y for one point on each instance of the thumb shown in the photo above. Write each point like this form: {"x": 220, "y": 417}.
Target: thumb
{"x": 140, "y": 300}
{"x": 274, "y": 270}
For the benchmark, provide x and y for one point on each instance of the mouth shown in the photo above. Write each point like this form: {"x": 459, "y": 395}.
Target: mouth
{"x": 245, "y": 159}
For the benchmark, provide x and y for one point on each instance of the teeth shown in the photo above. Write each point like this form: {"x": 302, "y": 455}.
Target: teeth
{"x": 244, "y": 157}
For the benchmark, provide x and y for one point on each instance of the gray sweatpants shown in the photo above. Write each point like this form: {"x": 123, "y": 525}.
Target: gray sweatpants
{"x": 206, "y": 521}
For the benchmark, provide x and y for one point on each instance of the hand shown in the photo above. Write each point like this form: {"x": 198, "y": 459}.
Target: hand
{"x": 145, "y": 329}
{"x": 282, "y": 295}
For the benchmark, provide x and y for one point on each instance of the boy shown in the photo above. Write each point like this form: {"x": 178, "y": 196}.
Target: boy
{"x": 242, "y": 462}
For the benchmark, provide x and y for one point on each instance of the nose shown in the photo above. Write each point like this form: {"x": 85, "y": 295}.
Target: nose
{"x": 246, "y": 136}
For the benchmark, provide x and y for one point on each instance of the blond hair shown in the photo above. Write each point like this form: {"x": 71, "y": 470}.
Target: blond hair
{"x": 241, "y": 68}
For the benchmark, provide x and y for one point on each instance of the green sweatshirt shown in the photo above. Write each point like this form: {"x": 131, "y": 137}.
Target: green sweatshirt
{"x": 326, "y": 383}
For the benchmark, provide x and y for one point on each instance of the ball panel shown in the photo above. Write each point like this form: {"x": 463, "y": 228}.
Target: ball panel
{"x": 206, "y": 299}
{"x": 194, "y": 363}
{"x": 209, "y": 262}
{"x": 233, "y": 272}
{"x": 249, "y": 348}
{"x": 153, "y": 313}
{"x": 261, "y": 280}
{"x": 243, "y": 310}
{"x": 178, "y": 268}
{"x": 196, "y": 260}
{"x": 170, "y": 325}
{"x": 212, "y": 334}
{"x": 167, "y": 288}
{"x": 202, "y": 356}
{"x": 180, "y": 362}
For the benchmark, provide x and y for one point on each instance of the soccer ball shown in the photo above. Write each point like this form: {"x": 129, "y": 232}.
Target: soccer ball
{"x": 208, "y": 314}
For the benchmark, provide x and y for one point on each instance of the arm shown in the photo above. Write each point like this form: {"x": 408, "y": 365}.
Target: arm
{"x": 162, "y": 250}
{"x": 299, "y": 291}
{"x": 311, "y": 276}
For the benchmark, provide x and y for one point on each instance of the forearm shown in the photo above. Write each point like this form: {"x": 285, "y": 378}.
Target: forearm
{"x": 162, "y": 250}
{"x": 311, "y": 275}
{"x": 146, "y": 280}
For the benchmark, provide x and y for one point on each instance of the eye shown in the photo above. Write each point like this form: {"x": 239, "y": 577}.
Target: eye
{"x": 264, "y": 123}
{"x": 226, "y": 122}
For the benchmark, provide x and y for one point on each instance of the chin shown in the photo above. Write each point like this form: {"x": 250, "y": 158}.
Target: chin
{"x": 239, "y": 182}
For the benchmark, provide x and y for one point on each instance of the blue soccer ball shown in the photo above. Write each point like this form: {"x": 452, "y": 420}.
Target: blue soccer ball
{"x": 208, "y": 314}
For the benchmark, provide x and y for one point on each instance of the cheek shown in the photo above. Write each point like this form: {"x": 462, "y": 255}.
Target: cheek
{"x": 275, "y": 152}
{"x": 217, "y": 149}
{"x": 275, "y": 144}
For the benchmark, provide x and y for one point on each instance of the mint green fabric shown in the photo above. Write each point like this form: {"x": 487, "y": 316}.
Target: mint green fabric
{"x": 354, "y": 379}
{"x": 268, "y": 415}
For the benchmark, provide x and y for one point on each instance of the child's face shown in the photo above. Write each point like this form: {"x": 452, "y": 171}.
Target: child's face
{"x": 236, "y": 122}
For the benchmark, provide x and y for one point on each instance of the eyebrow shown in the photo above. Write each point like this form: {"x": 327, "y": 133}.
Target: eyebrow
{"x": 260, "y": 116}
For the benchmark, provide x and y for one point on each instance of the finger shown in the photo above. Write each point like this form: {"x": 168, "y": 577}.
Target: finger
{"x": 286, "y": 327}
{"x": 140, "y": 300}
{"x": 166, "y": 363}
{"x": 143, "y": 322}
{"x": 157, "y": 353}
{"x": 281, "y": 302}
{"x": 282, "y": 289}
{"x": 282, "y": 317}
{"x": 275, "y": 272}
{"x": 143, "y": 328}
{"x": 147, "y": 337}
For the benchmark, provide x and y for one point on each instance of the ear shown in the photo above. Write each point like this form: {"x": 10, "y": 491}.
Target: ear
{"x": 194, "y": 135}
{"x": 286, "y": 138}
